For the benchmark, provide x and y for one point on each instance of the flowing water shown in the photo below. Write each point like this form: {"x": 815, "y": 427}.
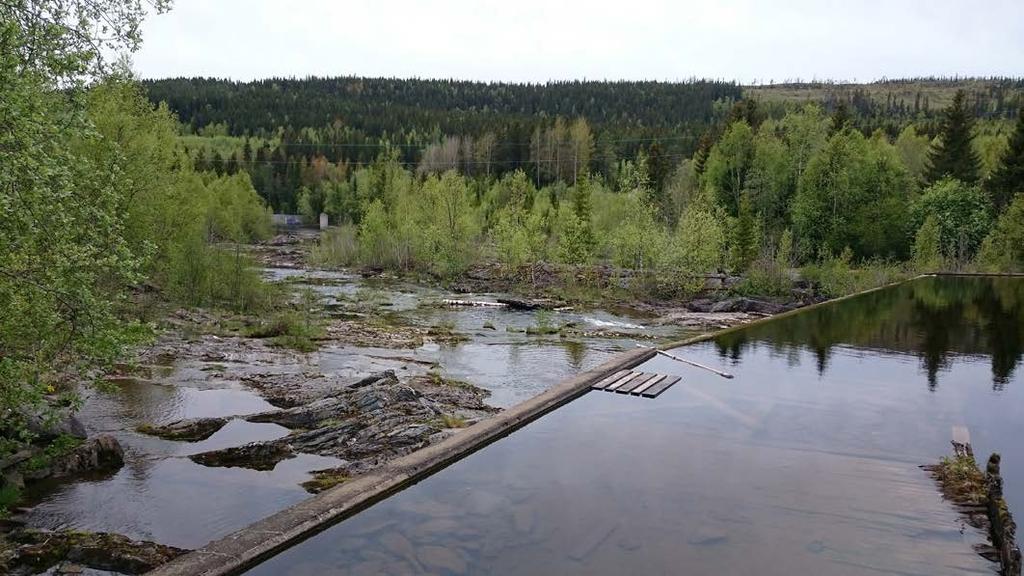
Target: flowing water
{"x": 162, "y": 495}
{"x": 807, "y": 462}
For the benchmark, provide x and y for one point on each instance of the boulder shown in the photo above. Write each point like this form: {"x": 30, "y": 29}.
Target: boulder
{"x": 749, "y": 305}
{"x": 96, "y": 454}
{"x": 39, "y": 550}
{"x": 254, "y": 456}
{"x": 47, "y": 426}
{"x": 307, "y": 416}
{"x": 189, "y": 430}
{"x": 386, "y": 377}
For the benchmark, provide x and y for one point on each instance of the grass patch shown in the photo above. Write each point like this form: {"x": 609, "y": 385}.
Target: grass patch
{"x": 962, "y": 479}
{"x": 834, "y": 277}
{"x": 9, "y": 496}
{"x": 450, "y": 421}
{"x": 435, "y": 378}
{"x": 765, "y": 278}
{"x": 289, "y": 329}
{"x": 338, "y": 248}
{"x": 323, "y": 480}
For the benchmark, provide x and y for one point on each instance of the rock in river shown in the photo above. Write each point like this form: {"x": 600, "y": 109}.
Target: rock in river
{"x": 189, "y": 430}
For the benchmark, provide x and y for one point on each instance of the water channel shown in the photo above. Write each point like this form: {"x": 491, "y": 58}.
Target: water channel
{"x": 806, "y": 463}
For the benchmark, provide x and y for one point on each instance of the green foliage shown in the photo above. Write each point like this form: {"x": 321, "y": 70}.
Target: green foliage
{"x": 927, "y": 253}
{"x": 784, "y": 255}
{"x": 9, "y": 496}
{"x": 99, "y": 197}
{"x": 198, "y": 274}
{"x": 953, "y": 155}
{"x": 65, "y": 259}
{"x": 963, "y": 215}
{"x": 726, "y": 169}
{"x": 1008, "y": 179}
{"x": 854, "y": 193}
{"x": 744, "y": 236}
{"x": 576, "y": 243}
{"x": 696, "y": 248}
{"x": 296, "y": 329}
{"x": 913, "y": 150}
{"x": 337, "y": 248}
{"x": 834, "y": 276}
{"x": 637, "y": 241}
{"x": 1003, "y": 248}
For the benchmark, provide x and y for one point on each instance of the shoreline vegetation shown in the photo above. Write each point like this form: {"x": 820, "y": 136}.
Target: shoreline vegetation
{"x": 117, "y": 211}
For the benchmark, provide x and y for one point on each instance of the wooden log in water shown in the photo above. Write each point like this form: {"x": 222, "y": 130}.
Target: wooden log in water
{"x": 482, "y": 303}
{"x": 632, "y": 384}
{"x": 615, "y": 385}
{"x": 605, "y": 382}
{"x": 653, "y": 381}
{"x": 657, "y": 389}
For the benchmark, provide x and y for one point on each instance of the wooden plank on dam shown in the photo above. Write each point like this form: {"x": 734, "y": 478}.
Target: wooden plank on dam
{"x": 606, "y": 381}
{"x": 632, "y": 384}
{"x": 639, "y": 389}
{"x": 615, "y": 385}
{"x": 660, "y": 387}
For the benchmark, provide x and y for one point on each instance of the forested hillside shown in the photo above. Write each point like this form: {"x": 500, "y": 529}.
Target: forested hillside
{"x": 285, "y": 132}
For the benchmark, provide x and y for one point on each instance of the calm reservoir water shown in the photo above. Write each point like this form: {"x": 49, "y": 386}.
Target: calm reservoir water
{"x": 806, "y": 463}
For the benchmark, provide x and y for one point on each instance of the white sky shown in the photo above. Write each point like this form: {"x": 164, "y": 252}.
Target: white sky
{"x": 528, "y": 40}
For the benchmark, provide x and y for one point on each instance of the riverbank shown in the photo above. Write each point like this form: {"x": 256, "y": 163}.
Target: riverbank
{"x": 249, "y": 418}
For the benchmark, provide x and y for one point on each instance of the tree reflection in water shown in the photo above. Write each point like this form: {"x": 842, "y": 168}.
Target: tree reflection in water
{"x": 935, "y": 319}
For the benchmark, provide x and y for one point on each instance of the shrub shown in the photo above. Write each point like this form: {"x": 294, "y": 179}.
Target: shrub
{"x": 337, "y": 248}
{"x": 1003, "y": 248}
{"x": 198, "y": 274}
{"x": 927, "y": 250}
{"x": 289, "y": 329}
{"x": 834, "y": 276}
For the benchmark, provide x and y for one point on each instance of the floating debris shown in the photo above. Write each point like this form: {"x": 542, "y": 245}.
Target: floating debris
{"x": 979, "y": 497}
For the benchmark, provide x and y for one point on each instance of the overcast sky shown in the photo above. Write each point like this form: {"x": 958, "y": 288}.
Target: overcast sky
{"x": 527, "y": 40}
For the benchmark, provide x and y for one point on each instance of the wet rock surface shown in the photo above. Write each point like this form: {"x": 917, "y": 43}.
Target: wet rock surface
{"x": 97, "y": 454}
{"x": 373, "y": 420}
{"x": 188, "y": 430}
{"x": 26, "y": 551}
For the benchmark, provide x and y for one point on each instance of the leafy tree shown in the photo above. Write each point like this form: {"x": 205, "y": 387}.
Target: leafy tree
{"x": 927, "y": 252}
{"x": 854, "y": 193}
{"x": 953, "y": 155}
{"x": 1003, "y": 248}
{"x": 963, "y": 215}
{"x": 637, "y": 241}
{"x": 452, "y": 226}
{"x": 576, "y": 240}
{"x": 64, "y": 255}
{"x": 913, "y": 150}
{"x": 1008, "y": 179}
{"x": 805, "y": 133}
{"x": 769, "y": 183}
{"x": 700, "y": 157}
{"x": 725, "y": 172}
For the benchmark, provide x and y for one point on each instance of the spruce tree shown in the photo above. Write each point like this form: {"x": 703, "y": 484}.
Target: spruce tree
{"x": 954, "y": 156}
{"x": 1008, "y": 179}
{"x": 701, "y": 155}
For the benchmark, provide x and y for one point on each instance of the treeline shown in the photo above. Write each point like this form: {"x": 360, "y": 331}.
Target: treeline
{"x": 102, "y": 217}
{"x": 765, "y": 195}
{"x": 281, "y": 126}
{"x": 284, "y": 131}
